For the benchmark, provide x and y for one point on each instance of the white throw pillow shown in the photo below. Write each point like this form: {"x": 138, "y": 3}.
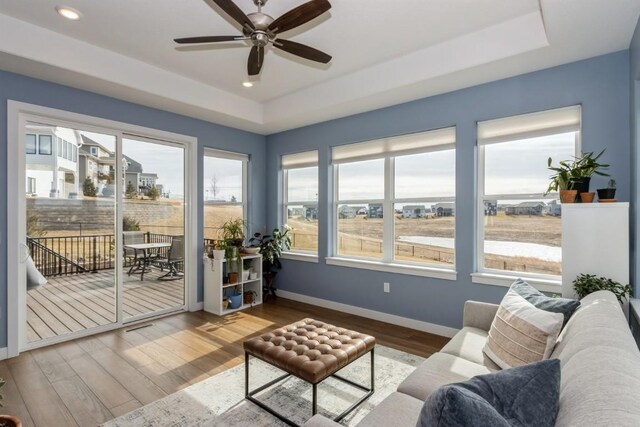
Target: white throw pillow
{"x": 521, "y": 333}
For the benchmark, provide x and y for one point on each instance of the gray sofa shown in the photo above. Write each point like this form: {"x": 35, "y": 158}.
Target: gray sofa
{"x": 600, "y": 361}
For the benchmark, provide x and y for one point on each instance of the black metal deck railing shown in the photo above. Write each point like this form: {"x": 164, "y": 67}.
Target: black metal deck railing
{"x": 62, "y": 255}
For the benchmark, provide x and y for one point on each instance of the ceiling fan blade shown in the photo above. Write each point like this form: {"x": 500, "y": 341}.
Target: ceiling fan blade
{"x": 235, "y": 12}
{"x": 256, "y": 58}
{"x": 298, "y": 16}
{"x": 302, "y": 50}
{"x": 208, "y": 39}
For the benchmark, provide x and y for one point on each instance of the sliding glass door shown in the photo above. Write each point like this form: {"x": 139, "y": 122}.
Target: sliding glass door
{"x": 70, "y": 216}
{"x": 105, "y": 227}
{"x": 153, "y": 227}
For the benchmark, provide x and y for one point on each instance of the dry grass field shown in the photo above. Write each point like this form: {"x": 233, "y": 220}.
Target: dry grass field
{"x": 362, "y": 236}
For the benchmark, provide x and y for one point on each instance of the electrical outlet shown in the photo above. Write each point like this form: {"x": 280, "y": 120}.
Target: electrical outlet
{"x": 386, "y": 287}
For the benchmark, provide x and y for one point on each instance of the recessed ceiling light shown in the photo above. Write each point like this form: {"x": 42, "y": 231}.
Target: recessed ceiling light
{"x": 247, "y": 84}
{"x": 68, "y": 12}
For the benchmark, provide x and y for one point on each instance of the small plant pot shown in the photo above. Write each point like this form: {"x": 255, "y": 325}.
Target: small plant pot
{"x": 248, "y": 297}
{"x": 606, "y": 193}
{"x": 225, "y": 304}
{"x": 218, "y": 253}
{"x": 582, "y": 185}
{"x": 10, "y": 421}
{"x": 568, "y": 196}
{"x": 587, "y": 197}
{"x": 245, "y": 275}
{"x": 233, "y": 277}
{"x": 235, "y": 301}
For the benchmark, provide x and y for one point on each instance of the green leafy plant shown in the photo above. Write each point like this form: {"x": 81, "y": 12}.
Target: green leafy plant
{"x": 88, "y": 189}
{"x": 130, "y": 192}
{"x": 271, "y": 246}
{"x": 569, "y": 172}
{"x": 233, "y": 231}
{"x": 611, "y": 183}
{"x": 587, "y": 165}
{"x": 586, "y": 284}
{"x": 130, "y": 224}
{"x": 153, "y": 193}
{"x": 234, "y": 261}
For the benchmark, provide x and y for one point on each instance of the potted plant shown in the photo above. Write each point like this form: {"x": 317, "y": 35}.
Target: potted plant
{"x": 246, "y": 267}
{"x": 586, "y": 284}
{"x": 234, "y": 262}
{"x": 219, "y": 249}
{"x": 608, "y": 193}
{"x": 585, "y": 167}
{"x": 8, "y": 420}
{"x": 271, "y": 247}
{"x": 233, "y": 232}
{"x": 249, "y": 297}
{"x": 235, "y": 299}
{"x": 562, "y": 181}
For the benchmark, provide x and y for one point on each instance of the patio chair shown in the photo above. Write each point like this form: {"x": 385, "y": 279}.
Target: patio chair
{"x": 175, "y": 256}
{"x": 136, "y": 256}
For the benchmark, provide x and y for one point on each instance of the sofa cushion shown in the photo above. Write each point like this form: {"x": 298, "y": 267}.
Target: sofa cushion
{"x": 523, "y": 396}
{"x": 439, "y": 369}
{"x": 397, "y": 409}
{"x": 468, "y": 344}
{"x": 521, "y": 333}
{"x": 564, "y": 306}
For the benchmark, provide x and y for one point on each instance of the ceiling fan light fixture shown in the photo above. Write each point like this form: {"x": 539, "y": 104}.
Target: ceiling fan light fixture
{"x": 68, "y": 12}
{"x": 247, "y": 84}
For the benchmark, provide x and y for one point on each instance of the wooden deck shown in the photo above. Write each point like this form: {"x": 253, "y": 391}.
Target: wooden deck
{"x": 81, "y": 301}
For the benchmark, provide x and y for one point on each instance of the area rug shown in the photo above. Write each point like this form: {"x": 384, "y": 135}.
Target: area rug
{"x": 219, "y": 400}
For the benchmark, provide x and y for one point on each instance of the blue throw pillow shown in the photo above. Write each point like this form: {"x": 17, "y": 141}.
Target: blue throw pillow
{"x": 564, "y": 306}
{"x": 525, "y": 396}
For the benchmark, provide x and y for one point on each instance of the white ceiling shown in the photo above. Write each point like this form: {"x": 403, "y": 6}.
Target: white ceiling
{"x": 384, "y": 52}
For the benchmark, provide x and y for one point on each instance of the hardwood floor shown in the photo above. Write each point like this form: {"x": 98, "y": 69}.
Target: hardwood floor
{"x": 91, "y": 380}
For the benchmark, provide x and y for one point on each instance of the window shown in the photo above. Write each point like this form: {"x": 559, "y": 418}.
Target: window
{"x": 93, "y": 151}
{"x": 45, "y": 144}
{"x": 65, "y": 148}
{"x": 300, "y": 197}
{"x": 225, "y": 189}
{"x": 519, "y": 228}
{"x": 31, "y": 143}
{"x": 395, "y": 199}
{"x": 69, "y": 151}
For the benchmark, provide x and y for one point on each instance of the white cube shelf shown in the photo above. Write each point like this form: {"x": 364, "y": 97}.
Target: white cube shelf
{"x": 215, "y": 289}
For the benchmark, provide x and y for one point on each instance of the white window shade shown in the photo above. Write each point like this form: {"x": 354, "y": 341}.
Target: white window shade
{"x": 229, "y": 155}
{"x": 300, "y": 160}
{"x": 532, "y": 125}
{"x": 397, "y": 146}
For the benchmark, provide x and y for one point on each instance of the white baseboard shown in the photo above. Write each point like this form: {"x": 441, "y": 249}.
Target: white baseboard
{"x": 419, "y": 325}
{"x": 4, "y": 353}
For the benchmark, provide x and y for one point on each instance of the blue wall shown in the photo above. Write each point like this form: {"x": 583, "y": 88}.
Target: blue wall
{"x": 634, "y": 91}
{"x": 600, "y": 85}
{"x": 24, "y": 89}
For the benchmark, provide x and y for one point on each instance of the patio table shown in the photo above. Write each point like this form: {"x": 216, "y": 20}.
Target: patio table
{"x": 147, "y": 249}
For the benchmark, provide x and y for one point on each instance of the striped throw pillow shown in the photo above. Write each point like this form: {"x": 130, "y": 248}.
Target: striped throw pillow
{"x": 521, "y": 333}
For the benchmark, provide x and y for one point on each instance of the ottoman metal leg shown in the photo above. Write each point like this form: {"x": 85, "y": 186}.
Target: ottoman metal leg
{"x": 314, "y": 390}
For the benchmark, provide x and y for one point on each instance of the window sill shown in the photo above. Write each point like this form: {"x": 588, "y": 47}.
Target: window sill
{"x": 300, "y": 256}
{"x": 413, "y": 270}
{"x": 506, "y": 280}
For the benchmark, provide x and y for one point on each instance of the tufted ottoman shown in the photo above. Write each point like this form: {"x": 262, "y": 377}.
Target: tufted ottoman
{"x": 312, "y": 351}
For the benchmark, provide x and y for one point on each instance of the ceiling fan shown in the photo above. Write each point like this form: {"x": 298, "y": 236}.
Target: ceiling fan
{"x": 261, "y": 29}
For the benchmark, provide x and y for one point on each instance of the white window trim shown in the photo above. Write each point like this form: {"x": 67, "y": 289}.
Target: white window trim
{"x": 393, "y": 267}
{"x": 297, "y": 254}
{"x": 244, "y": 158}
{"x": 489, "y": 276}
{"x": 388, "y": 263}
